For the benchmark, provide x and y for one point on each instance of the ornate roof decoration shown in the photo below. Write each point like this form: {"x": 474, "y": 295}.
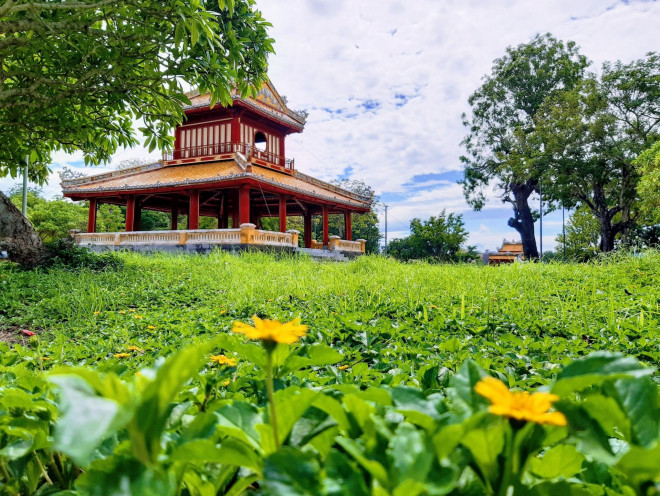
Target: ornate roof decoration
{"x": 267, "y": 100}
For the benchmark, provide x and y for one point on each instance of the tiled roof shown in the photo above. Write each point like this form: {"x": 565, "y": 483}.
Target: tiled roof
{"x": 158, "y": 175}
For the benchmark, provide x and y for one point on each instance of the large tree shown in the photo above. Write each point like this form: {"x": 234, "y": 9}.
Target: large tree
{"x": 77, "y": 75}
{"x": 591, "y": 136}
{"x": 499, "y": 147}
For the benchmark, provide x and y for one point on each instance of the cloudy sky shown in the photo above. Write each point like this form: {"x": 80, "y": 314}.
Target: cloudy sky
{"x": 385, "y": 83}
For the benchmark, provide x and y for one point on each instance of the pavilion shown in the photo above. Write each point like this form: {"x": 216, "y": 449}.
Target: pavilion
{"x": 228, "y": 163}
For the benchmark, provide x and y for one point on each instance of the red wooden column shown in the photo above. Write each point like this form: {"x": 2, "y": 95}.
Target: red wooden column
{"x": 138, "y": 215}
{"x": 174, "y": 215}
{"x": 130, "y": 212}
{"x": 193, "y": 214}
{"x": 234, "y": 211}
{"x": 91, "y": 221}
{"x": 282, "y": 212}
{"x": 244, "y": 204}
{"x": 235, "y": 134}
{"x": 347, "y": 225}
{"x": 308, "y": 228}
{"x": 326, "y": 234}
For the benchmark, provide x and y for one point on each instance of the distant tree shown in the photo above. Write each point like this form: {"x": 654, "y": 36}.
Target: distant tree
{"x": 591, "y": 136}
{"x": 499, "y": 147}
{"x": 648, "y": 166}
{"x": 52, "y": 219}
{"x": 438, "y": 239}
{"x": 582, "y": 236}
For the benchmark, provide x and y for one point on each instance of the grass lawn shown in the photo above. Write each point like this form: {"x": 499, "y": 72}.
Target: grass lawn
{"x": 117, "y": 389}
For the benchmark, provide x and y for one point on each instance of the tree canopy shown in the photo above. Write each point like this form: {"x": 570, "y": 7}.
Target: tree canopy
{"x": 438, "y": 239}
{"x": 78, "y": 74}
{"x": 499, "y": 147}
{"x": 590, "y": 137}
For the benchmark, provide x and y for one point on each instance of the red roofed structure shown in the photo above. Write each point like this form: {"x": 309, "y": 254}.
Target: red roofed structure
{"x": 229, "y": 163}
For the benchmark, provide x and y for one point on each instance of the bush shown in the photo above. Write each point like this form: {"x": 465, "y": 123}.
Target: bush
{"x": 66, "y": 255}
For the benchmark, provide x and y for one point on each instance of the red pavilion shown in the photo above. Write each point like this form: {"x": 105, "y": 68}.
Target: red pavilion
{"x": 228, "y": 163}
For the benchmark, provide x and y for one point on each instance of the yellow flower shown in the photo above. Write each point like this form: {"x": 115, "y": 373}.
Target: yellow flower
{"x": 223, "y": 360}
{"x": 432, "y": 307}
{"x": 137, "y": 316}
{"x": 122, "y": 355}
{"x": 519, "y": 405}
{"x": 45, "y": 358}
{"x": 134, "y": 348}
{"x": 272, "y": 331}
{"x": 97, "y": 312}
{"x": 122, "y": 311}
{"x": 342, "y": 367}
{"x": 226, "y": 383}
{"x": 131, "y": 310}
{"x": 151, "y": 327}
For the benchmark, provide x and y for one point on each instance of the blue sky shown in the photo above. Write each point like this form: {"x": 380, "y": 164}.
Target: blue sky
{"x": 385, "y": 83}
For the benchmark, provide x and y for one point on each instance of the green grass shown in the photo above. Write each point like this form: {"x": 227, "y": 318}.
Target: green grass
{"x": 521, "y": 320}
{"x": 379, "y": 398}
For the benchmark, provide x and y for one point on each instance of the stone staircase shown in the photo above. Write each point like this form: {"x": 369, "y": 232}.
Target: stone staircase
{"x": 323, "y": 255}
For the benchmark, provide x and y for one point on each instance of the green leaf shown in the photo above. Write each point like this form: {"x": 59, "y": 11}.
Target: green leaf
{"x": 374, "y": 468}
{"x": 317, "y": 355}
{"x": 638, "y": 398}
{"x": 230, "y": 452}
{"x": 561, "y": 461}
{"x": 86, "y": 419}
{"x": 410, "y": 454}
{"x": 641, "y": 466}
{"x": 446, "y": 440}
{"x": 590, "y": 438}
{"x": 17, "y": 443}
{"x": 462, "y": 384}
{"x": 240, "y": 420}
{"x": 151, "y": 415}
{"x": 126, "y": 477}
{"x": 607, "y": 412}
{"x": 342, "y": 477}
{"x": 595, "y": 369}
{"x": 289, "y": 471}
{"x": 485, "y": 445}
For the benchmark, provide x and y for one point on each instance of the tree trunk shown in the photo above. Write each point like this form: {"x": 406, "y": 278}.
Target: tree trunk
{"x": 523, "y": 222}
{"x": 17, "y": 236}
{"x": 607, "y": 234}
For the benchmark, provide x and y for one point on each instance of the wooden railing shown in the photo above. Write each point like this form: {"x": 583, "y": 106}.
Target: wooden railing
{"x": 245, "y": 149}
{"x": 246, "y": 234}
{"x": 336, "y": 243}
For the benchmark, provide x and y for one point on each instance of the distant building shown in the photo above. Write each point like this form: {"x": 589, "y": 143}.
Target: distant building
{"x": 511, "y": 251}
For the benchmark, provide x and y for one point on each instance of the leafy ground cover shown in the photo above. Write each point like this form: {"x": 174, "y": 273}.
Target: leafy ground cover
{"x": 117, "y": 391}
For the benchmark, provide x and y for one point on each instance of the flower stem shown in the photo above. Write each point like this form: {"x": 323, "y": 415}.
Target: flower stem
{"x": 271, "y": 396}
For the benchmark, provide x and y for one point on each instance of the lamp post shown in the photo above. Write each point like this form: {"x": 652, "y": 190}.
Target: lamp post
{"x": 25, "y": 181}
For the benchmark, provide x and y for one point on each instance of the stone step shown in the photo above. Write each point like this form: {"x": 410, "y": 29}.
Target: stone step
{"x": 322, "y": 254}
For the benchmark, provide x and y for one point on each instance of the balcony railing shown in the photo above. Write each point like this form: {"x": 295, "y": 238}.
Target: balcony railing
{"x": 249, "y": 151}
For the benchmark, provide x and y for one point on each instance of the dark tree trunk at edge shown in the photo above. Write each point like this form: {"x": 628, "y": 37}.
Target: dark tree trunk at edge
{"x": 523, "y": 222}
{"x": 17, "y": 236}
